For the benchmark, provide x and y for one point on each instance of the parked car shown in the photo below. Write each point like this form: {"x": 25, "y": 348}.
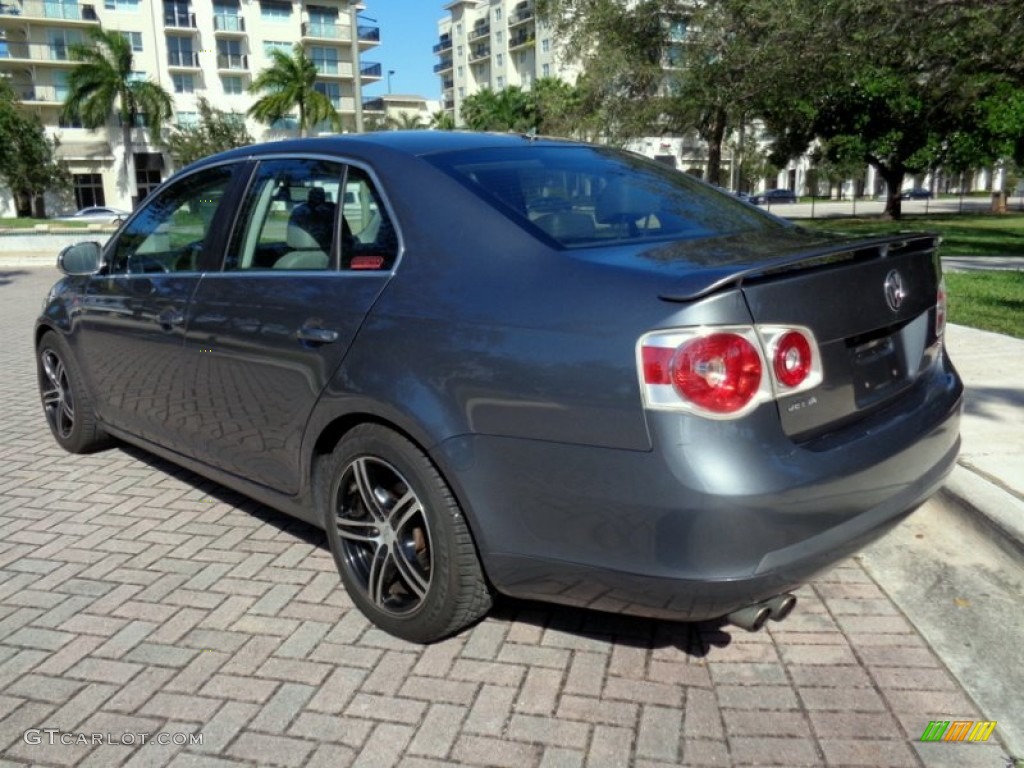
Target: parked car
{"x": 772, "y": 196}
{"x": 96, "y": 213}
{"x": 917, "y": 193}
{"x": 655, "y": 399}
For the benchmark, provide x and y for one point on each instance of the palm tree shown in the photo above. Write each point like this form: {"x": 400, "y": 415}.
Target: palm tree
{"x": 103, "y": 84}
{"x": 442, "y": 120}
{"x": 407, "y": 121}
{"x": 289, "y": 83}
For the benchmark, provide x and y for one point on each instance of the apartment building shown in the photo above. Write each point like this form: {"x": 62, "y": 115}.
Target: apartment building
{"x": 193, "y": 48}
{"x": 494, "y": 44}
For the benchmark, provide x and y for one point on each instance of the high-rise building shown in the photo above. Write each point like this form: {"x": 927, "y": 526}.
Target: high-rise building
{"x": 193, "y": 48}
{"x": 494, "y": 44}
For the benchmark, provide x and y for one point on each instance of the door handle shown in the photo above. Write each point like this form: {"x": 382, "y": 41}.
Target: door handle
{"x": 170, "y": 318}
{"x": 316, "y": 335}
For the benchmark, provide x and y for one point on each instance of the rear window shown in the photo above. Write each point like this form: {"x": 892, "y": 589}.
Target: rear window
{"x": 596, "y": 196}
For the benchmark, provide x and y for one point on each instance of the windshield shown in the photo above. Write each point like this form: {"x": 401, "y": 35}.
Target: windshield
{"x": 596, "y": 196}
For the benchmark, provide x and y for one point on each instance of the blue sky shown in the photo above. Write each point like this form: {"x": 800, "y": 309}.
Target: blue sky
{"x": 408, "y": 30}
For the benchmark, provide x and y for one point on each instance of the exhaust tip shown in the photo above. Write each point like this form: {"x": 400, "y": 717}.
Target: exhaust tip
{"x": 751, "y": 618}
{"x": 781, "y": 606}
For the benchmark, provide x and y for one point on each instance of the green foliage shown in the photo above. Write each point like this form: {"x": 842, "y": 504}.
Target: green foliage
{"x": 991, "y": 300}
{"x": 28, "y": 165}
{"x": 102, "y": 85}
{"x": 442, "y": 120}
{"x": 289, "y": 84}
{"x": 510, "y": 109}
{"x": 407, "y": 121}
{"x": 216, "y": 131}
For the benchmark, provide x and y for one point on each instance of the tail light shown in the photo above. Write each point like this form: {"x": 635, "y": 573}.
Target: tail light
{"x": 940, "y": 309}
{"x": 722, "y": 372}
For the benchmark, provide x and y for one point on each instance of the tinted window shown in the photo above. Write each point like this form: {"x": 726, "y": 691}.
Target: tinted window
{"x": 370, "y": 241}
{"x": 593, "y": 196}
{"x": 289, "y": 217}
{"x": 170, "y": 233}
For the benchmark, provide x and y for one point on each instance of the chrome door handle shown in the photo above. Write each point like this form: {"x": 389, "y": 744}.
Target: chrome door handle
{"x": 317, "y": 335}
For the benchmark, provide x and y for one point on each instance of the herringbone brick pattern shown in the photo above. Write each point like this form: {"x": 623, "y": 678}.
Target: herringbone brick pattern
{"x": 137, "y": 598}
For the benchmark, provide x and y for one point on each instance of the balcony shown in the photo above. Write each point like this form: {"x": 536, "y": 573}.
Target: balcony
{"x": 520, "y": 16}
{"x": 444, "y": 66}
{"x": 369, "y": 70}
{"x": 479, "y": 52}
{"x": 32, "y": 10}
{"x": 225, "y": 24}
{"x": 444, "y": 45}
{"x": 34, "y": 53}
{"x": 375, "y": 104}
{"x": 333, "y": 32}
{"x": 177, "y": 20}
{"x": 368, "y": 34}
{"x": 42, "y": 94}
{"x": 332, "y": 68}
{"x": 522, "y": 39}
{"x": 481, "y": 31}
{"x": 182, "y": 60}
{"x": 447, "y": 83}
{"x": 233, "y": 62}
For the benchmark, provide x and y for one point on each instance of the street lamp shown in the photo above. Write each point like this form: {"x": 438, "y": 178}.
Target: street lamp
{"x": 390, "y": 73}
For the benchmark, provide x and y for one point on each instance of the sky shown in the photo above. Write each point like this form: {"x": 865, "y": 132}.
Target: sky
{"x": 408, "y": 31}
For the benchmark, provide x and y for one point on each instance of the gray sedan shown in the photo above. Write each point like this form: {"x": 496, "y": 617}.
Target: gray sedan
{"x": 493, "y": 364}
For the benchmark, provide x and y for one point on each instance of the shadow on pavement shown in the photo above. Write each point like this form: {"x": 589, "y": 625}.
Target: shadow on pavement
{"x": 991, "y": 402}
{"x": 8, "y": 277}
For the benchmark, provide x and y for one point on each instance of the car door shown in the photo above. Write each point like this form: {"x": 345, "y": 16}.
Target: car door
{"x": 271, "y": 328}
{"x": 133, "y": 312}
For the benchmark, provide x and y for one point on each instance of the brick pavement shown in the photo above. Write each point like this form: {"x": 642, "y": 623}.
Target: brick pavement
{"x": 138, "y": 598}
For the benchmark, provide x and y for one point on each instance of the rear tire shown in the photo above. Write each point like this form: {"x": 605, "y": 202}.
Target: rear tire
{"x": 67, "y": 403}
{"x": 399, "y": 538}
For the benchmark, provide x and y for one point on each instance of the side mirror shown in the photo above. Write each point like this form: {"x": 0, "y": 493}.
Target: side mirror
{"x": 80, "y": 259}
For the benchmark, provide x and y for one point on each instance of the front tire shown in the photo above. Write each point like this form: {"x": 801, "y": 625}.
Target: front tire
{"x": 67, "y": 403}
{"x": 399, "y": 538}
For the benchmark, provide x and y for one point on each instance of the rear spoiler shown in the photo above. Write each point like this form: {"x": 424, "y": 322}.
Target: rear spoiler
{"x": 703, "y": 283}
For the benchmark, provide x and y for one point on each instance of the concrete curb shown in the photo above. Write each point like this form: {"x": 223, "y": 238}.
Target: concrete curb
{"x": 995, "y": 511}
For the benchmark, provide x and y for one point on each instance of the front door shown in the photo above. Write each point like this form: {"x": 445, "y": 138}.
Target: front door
{"x": 268, "y": 332}
{"x": 135, "y": 310}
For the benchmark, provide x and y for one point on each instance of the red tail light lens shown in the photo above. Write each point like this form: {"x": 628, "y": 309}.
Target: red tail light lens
{"x": 792, "y": 360}
{"x": 720, "y": 373}
{"x": 725, "y": 372}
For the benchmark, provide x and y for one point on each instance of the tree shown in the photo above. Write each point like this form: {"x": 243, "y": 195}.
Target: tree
{"x": 510, "y": 109}
{"x": 28, "y": 166}
{"x": 216, "y": 131}
{"x": 442, "y": 120}
{"x": 103, "y": 85}
{"x": 289, "y": 83}
{"x": 407, "y": 121}
{"x": 894, "y": 84}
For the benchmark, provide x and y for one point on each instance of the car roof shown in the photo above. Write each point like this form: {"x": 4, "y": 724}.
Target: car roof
{"x": 415, "y": 143}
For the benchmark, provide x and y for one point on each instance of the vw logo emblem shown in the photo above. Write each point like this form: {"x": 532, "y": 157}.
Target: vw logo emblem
{"x": 894, "y": 290}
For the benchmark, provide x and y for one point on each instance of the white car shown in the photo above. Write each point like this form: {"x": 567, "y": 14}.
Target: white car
{"x": 96, "y": 213}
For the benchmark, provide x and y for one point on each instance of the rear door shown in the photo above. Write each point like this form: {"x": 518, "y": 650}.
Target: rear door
{"x": 271, "y": 328}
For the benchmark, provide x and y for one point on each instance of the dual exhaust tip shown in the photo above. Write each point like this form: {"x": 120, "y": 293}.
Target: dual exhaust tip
{"x": 753, "y": 617}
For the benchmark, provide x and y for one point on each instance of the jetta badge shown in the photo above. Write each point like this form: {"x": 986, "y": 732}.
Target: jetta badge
{"x": 894, "y": 291}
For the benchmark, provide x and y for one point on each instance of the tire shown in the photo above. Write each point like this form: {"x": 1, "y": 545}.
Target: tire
{"x": 399, "y": 539}
{"x": 67, "y": 403}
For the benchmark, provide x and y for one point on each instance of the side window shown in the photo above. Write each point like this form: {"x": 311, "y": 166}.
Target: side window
{"x": 170, "y": 232}
{"x": 369, "y": 239}
{"x": 289, "y": 217}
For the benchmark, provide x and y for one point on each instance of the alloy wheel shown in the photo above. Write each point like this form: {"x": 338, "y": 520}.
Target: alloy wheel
{"x": 58, "y": 398}
{"x": 384, "y": 535}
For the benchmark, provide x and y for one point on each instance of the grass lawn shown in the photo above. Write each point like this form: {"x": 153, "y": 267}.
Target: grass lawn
{"x": 30, "y": 223}
{"x": 992, "y": 301}
{"x": 962, "y": 234}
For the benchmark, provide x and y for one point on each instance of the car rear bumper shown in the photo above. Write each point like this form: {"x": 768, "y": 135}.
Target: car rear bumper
{"x": 713, "y": 519}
